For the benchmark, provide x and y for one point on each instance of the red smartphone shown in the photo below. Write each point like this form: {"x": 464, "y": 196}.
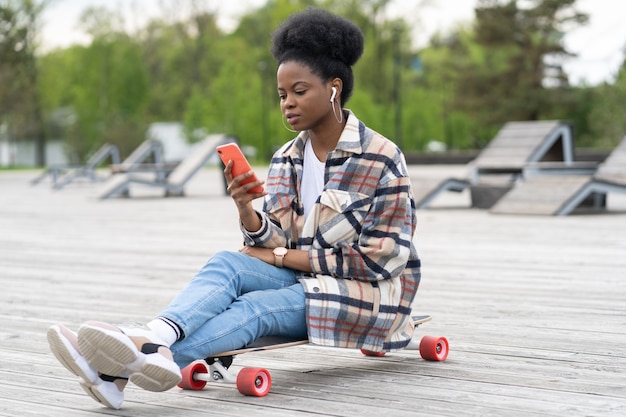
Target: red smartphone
{"x": 232, "y": 152}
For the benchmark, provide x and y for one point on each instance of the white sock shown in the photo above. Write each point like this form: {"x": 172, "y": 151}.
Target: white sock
{"x": 163, "y": 331}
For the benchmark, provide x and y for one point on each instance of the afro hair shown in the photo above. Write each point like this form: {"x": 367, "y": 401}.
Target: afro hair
{"x": 320, "y": 33}
{"x": 328, "y": 44}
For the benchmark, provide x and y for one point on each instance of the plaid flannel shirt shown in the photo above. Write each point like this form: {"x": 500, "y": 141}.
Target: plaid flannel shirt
{"x": 359, "y": 236}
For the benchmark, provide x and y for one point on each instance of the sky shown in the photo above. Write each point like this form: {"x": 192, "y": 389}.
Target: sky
{"x": 599, "y": 45}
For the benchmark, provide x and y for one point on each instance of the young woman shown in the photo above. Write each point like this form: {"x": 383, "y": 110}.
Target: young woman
{"x": 330, "y": 257}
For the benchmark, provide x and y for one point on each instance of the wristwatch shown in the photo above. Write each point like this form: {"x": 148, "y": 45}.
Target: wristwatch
{"x": 279, "y": 254}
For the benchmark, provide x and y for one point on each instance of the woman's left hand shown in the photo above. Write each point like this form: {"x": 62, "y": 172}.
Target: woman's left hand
{"x": 264, "y": 254}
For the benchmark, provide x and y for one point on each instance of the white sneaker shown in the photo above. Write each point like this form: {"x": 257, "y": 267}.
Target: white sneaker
{"x": 132, "y": 352}
{"x": 64, "y": 345}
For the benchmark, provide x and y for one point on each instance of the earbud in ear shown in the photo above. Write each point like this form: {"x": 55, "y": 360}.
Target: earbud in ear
{"x": 332, "y": 97}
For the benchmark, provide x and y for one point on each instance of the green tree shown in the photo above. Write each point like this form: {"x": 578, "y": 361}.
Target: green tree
{"x": 180, "y": 58}
{"x": 105, "y": 85}
{"x": 444, "y": 64}
{"x": 459, "y": 90}
{"x": 518, "y": 59}
{"x": 607, "y": 118}
{"x": 20, "y": 103}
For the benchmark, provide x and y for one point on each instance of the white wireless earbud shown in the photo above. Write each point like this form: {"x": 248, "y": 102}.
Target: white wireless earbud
{"x": 332, "y": 97}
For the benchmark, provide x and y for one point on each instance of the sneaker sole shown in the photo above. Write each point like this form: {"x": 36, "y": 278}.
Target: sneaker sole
{"x": 93, "y": 392}
{"x": 113, "y": 353}
{"x": 64, "y": 355}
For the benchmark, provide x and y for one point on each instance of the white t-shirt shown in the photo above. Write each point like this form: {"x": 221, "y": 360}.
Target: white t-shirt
{"x": 312, "y": 178}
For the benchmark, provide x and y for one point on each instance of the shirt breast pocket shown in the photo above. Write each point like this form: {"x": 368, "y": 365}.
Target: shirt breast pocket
{"x": 342, "y": 214}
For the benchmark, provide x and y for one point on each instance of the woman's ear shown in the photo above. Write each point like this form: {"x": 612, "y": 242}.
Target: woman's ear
{"x": 336, "y": 86}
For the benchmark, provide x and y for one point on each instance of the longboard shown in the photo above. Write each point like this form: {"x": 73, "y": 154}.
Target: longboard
{"x": 257, "y": 381}
{"x": 278, "y": 342}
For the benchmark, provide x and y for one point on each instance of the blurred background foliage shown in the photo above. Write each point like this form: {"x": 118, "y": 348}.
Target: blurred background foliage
{"x": 459, "y": 90}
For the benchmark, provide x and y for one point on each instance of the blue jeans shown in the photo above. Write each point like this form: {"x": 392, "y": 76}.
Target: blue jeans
{"x": 234, "y": 300}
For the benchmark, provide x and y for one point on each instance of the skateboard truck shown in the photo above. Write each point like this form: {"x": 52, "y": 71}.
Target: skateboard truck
{"x": 218, "y": 369}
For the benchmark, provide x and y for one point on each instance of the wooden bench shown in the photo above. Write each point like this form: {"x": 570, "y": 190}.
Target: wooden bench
{"x": 559, "y": 189}
{"x": 496, "y": 168}
{"x": 172, "y": 179}
{"x": 62, "y": 175}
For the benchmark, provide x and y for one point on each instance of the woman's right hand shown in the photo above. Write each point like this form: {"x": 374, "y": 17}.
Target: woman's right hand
{"x": 243, "y": 199}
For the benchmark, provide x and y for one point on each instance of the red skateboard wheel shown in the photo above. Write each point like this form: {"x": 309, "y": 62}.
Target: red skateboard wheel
{"x": 254, "y": 381}
{"x": 372, "y": 353}
{"x": 434, "y": 348}
{"x": 188, "y": 373}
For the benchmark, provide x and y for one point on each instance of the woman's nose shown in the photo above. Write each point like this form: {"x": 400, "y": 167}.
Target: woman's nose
{"x": 289, "y": 102}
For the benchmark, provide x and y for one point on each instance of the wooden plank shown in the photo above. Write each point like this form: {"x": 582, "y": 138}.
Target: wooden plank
{"x": 516, "y": 143}
{"x": 613, "y": 169}
{"x": 540, "y": 194}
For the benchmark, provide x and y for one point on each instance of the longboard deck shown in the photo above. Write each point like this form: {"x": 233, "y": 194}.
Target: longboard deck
{"x": 279, "y": 342}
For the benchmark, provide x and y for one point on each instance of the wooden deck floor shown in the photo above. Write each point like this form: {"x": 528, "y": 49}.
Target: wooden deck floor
{"x": 534, "y": 308}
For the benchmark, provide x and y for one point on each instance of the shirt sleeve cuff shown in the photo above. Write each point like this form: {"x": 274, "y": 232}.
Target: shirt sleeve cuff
{"x": 257, "y": 237}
